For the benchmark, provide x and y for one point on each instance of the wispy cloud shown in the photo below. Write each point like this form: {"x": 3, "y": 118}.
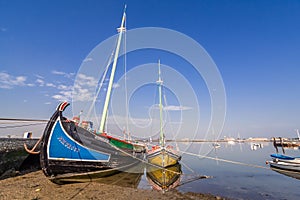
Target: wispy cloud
{"x": 39, "y": 76}
{"x": 85, "y": 80}
{"x": 40, "y": 82}
{"x": 173, "y": 108}
{"x": 87, "y": 59}
{"x": 176, "y": 108}
{"x": 64, "y": 93}
{"x": 83, "y": 90}
{"x": 116, "y": 85}
{"x": 8, "y": 81}
{"x": 67, "y": 75}
{"x": 30, "y": 85}
{"x": 50, "y": 85}
{"x": 2, "y": 29}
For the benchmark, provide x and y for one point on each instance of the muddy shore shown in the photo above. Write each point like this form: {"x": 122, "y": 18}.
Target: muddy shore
{"x": 35, "y": 185}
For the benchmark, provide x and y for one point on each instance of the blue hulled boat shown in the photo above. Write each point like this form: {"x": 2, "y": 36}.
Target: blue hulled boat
{"x": 286, "y": 165}
{"x": 69, "y": 149}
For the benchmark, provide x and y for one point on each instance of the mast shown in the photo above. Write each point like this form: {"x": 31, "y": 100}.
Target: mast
{"x": 112, "y": 75}
{"x": 160, "y": 82}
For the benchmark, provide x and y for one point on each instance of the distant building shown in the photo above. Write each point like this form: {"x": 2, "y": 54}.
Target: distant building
{"x": 259, "y": 139}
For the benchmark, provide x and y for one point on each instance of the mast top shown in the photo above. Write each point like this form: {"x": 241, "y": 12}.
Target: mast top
{"x": 159, "y": 81}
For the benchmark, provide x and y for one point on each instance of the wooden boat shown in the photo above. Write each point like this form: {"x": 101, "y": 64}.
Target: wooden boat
{"x": 162, "y": 155}
{"x": 287, "y": 165}
{"x": 70, "y": 150}
{"x": 164, "y": 179}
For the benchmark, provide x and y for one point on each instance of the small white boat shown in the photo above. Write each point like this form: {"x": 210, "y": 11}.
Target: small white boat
{"x": 286, "y": 165}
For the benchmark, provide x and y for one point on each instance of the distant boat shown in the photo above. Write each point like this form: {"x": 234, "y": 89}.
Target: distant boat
{"x": 162, "y": 155}
{"x": 287, "y": 165}
{"x": 255, "y": 146}
{"x": 164, "y": 179}
{"x": 216, "y": 145}
{"x": 70, "y": 150}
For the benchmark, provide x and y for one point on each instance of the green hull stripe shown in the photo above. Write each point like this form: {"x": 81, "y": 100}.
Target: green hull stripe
{"x": 120, "y": 144}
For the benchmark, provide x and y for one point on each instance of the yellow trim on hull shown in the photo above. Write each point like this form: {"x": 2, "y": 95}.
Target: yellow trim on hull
{"x": 162, "y": 159}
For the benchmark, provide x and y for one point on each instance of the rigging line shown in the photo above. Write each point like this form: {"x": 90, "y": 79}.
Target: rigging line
{"x": 186, "y": 166}
{"x": 23, "y": 125}
{"x": 194, "y": 179}
{"x": 100, "y": 84}
{"x": 224, "y": 160}
{"x": 24, "y": 120}
{"x": 169, "y": 117}
{"x": 13, "y": 122}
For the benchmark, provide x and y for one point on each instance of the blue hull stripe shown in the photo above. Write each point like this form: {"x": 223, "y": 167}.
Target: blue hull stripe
{"x": 283, "y": 157}
{"x": 62, "y": 147}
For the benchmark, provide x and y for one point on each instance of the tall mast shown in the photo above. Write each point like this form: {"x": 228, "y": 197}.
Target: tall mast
{"x": 112, "y": 75}
{"x": 160, "y": 82}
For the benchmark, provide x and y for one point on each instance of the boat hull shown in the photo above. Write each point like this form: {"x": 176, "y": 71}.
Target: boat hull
{"x": 163, "y": 157}
{"x": 69, "y": 149}
{"x": 285, "y": 166}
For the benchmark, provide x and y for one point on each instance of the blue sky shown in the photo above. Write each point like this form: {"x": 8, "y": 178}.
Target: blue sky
{"x": 255, "y": 45}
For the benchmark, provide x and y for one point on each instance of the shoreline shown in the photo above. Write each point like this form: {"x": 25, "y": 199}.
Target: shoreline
{"x": 35, "y": 185}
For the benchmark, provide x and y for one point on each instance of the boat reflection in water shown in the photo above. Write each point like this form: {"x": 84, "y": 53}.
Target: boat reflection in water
{"x": 293, "y": 174}
{"x": 129, "y": 178}
{"x": 164, "y": 179}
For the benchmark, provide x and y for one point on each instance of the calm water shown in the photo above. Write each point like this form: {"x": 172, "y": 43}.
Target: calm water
{"x": 233, "y": 180}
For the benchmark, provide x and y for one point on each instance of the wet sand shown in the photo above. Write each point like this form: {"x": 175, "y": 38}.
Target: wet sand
{"x": 35, "y": 185}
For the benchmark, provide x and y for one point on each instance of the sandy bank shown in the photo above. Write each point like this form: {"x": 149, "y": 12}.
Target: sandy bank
{"x": 35, "y": 185}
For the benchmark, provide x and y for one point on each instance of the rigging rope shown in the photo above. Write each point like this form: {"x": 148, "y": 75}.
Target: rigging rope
{"x": 100, "y": 85}
{"x": 224, "y": 160}
{"x": 24, "y": 120}
{"x": 22, "y": 125}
